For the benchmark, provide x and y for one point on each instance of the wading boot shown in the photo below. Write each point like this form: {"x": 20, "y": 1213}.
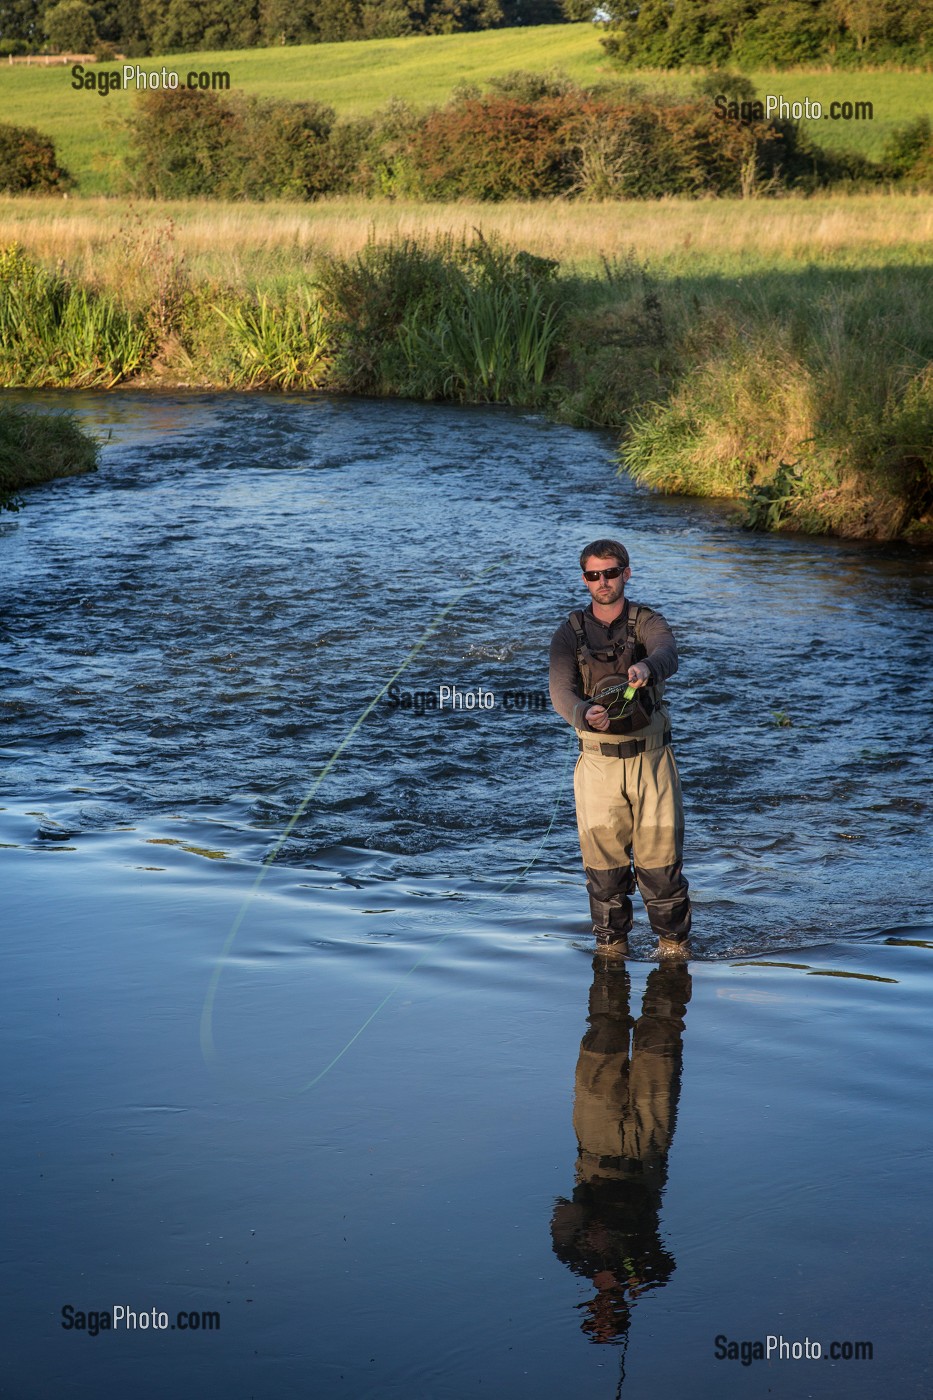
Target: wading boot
{"x": 673, "y": 947}
{"x": 613, "y": 945}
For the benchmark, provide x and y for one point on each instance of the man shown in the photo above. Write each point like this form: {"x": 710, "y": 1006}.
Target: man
{"x": 626, "y": 785}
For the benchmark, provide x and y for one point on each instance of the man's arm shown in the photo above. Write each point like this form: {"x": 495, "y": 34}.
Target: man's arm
{"x": 566, "y": 693}
{"x": 660, "y": 648}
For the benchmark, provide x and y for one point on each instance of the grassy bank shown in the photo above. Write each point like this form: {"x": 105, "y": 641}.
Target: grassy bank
{"x": 37, "y": 447}
{"x": 788, "y": 366}
{"x": 91, "y": 134}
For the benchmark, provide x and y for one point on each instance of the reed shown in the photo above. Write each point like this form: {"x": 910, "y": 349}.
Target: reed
{"x": 54, "y": 333}
{"x": 806, "y": 390}
{"x": 819, "y": 415}
{"x": 282, "y": 346}
{"x": 495, "y": 345}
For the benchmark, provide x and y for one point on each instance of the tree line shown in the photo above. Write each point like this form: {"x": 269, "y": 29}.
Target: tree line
{"x": 141, "y": 27}
{"x": 768, "y": 33}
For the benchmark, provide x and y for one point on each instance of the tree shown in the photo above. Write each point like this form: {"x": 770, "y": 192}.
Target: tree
{"x": 69, "y": 27}
{"x": 19, "y": 20}
{"x": 188, "y": 25}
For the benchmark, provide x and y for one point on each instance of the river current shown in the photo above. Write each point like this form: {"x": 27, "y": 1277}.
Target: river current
{"x": 191, "y": 634}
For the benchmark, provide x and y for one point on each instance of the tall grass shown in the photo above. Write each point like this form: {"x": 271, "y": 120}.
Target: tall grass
{"x": 249, "y": 246}
{"x": 808, "y": 391}
{"x": 820, "y": 414}
{"x": 53, "y": 333}
{"x": 35, "y": 447}
{"x": 494, "y": 345}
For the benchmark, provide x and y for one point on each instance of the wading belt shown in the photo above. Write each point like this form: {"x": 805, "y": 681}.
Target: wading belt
{"x": 627, "y": 748}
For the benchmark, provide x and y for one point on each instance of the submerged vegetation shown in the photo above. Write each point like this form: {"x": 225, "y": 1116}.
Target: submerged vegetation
{"x": 808, "y": 393}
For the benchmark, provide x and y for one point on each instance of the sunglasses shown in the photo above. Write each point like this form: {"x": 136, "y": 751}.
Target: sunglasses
{"x": 593, "y": 575}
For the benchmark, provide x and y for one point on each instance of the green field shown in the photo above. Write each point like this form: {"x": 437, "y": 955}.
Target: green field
{"x": 356, "y": 78}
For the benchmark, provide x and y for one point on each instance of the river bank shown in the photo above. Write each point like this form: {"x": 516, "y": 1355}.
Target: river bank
{"x": 802, "y": 387}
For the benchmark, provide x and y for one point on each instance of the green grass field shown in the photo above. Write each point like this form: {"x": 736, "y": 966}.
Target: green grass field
{"x": 90, "y": 132}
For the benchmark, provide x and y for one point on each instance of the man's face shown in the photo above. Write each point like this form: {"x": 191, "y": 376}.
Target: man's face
{"x": 605, "y": 591}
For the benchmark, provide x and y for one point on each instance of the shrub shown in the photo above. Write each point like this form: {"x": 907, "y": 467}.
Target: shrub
{"x": 182, "y": 145}
{"x": 189, "y": 145}
{"x": 821, "y": 420}
{"x": 28, "y": 162}
{"x": 281, "y": 150}
{"x": 495, "y": 148}
{"x": 523, "y": 86}
{"x": 646, "y": 151}
{"x": 372, "y": 155}
{"x": 450, "y": 319}
{"x": 908, "y": 153}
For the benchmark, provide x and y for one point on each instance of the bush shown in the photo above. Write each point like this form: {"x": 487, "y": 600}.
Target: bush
{"x": 182, "y": 145}
{"x": 908, "y": 153}
{"x": 189, "y": 145}
{"x": 28, "y": 162}
{"x": 281, "y": 150}
{"x": 820, "y": 419}
{"x": 647, "y": 151}
{"x": 495, "y": 148}
{"x": 446, "y": 320}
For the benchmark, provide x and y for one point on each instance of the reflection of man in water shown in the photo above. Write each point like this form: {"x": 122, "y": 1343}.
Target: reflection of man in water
{"x": 623, "y": 1115}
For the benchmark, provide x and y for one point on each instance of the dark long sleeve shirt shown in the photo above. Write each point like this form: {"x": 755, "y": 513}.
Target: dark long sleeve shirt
{"x": 566, "y": 685}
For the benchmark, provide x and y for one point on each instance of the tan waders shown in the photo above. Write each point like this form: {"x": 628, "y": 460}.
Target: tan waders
{"x": 631, "y": 823}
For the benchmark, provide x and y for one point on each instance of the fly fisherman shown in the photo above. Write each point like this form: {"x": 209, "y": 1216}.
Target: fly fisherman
{"x": 609, "y": 663}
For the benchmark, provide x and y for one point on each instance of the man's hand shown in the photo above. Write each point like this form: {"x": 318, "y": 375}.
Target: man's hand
{"x": 597, "y": 717}
{"x": 639, "y": 675}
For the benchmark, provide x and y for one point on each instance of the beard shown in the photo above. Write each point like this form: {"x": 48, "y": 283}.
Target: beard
{"x": 608, "y": 592}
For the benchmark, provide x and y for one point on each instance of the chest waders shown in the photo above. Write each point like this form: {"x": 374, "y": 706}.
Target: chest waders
{"x": 628, "y": 798}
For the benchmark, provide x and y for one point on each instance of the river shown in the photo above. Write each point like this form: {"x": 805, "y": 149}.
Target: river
{"x": 299, "y": 980}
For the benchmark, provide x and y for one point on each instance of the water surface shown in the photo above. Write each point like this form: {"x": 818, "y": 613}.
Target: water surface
{"x": 370, "y": 1144}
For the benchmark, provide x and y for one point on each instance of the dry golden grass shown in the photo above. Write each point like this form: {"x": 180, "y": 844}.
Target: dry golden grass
{"x": 241, "y": 243}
